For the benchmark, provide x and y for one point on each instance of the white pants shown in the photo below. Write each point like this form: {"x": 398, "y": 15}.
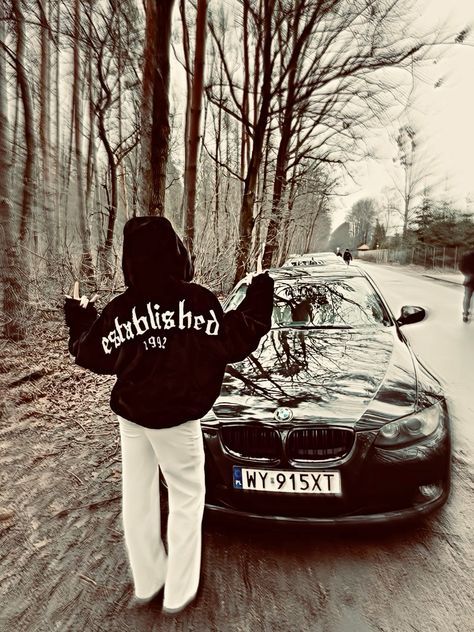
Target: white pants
{"x": 179, "y": 453}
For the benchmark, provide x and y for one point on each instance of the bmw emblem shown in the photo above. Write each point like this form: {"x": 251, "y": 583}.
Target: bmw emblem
{"x": 283, "y": 414}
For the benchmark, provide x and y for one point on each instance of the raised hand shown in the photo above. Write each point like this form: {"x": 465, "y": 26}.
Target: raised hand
{"x": 79, "y": 312}
{"x": 83, "y": 300}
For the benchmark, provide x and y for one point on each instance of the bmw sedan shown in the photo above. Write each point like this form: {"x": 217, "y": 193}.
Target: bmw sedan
{"x": 333, "y": 419}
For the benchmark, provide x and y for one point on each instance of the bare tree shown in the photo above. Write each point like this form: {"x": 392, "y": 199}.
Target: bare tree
{"x": 57, "y": 123}
{"x": 245, "y": 144}
{"x": 13, "y": 281}
{"x": 91, "y": 161}
{"x": 148, "y": 82}
{"x": 45, "y": 124}
{"x": 316, "y": 69}
{"x": 389, "y": 205}
{"x": 28, "y": 119}
{"x": 155, "y": 127}
{"x": 414, "y": 173}
{"x": 113, "y": 57}
{"x": 194, "y": 120}
{"x": 246, "y": 219}
{"x": 188, "y": 76}
{"x": 306, "y": 225}
{"x": 362, "y": 218}
{"x": 84, "y": 230}
{"x": 299, "y": 37}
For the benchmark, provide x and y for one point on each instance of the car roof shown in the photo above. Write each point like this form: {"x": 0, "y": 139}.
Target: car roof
{"x": 311, "y": 273}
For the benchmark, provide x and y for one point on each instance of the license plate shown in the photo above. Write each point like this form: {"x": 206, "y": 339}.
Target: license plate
{"x": 289, "y": 482}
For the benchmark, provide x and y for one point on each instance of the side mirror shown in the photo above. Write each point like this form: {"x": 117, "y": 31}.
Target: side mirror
{"x": 410, "y": 314}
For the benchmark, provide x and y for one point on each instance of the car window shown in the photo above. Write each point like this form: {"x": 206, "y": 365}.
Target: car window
{"x": 236, "y": 297}
{"x": 348, "y": 302}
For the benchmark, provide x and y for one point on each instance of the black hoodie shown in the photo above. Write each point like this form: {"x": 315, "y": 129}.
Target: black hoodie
{"x": 166, "y": 339}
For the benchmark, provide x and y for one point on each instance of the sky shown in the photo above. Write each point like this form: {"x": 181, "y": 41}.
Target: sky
{"x": 444, "y": 116}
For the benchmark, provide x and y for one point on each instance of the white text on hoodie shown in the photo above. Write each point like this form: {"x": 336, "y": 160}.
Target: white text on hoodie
{"x": 155, "y": 319}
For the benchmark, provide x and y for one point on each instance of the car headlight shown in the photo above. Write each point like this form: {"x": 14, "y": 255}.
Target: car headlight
{"x": 410, "y": 429}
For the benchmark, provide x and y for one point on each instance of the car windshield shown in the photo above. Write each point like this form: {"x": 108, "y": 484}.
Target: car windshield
{"x": 323, "y": 303}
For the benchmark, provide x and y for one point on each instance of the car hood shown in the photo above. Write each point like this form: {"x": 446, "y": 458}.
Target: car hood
{"x": 358, "y": 377}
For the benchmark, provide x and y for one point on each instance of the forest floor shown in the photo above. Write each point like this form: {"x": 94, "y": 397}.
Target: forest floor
{"x": 60, "y": 527}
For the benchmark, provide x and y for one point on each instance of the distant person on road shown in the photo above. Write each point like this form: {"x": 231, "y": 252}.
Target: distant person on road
{"x": 168, "y": 341}
{"x": 338, "y": 252}
{"x": 466, "y": 266}
{"x": 347, "y": 256}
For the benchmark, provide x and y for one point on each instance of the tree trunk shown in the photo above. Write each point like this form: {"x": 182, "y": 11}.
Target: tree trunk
{"x": 58, "y": 164}
{"x": 246, "y": 210}
{"x": 91, "y": 148}
{"x": 259, "y": 216}
{"x": 66, "y": 173}
{"x": 313, "y": 220}
{"x": 244, "y": 148}
{"x": 113, "y": 201}
{"x": 194, "y": 124}
{"x": 30, "y": 141}
{"x": 187, "y": 67}
{"x": 13, "y": 289}
{"x": 225, "y": 204}
{"x": 149, "y": 64}
{"x": 45, "y": 130}
{"x": 84, "y": 230}
{"x": 285, "y": 243}
{"x": 271, "y": 242}
{"x": 406, "y": 208}
{"x": 105, "y": 101}
{"x": 217, "y": 175}
{"x": 155, "y": 129}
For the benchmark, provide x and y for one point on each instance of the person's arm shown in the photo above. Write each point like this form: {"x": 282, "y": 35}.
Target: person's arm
{"x": 243, "y": 327}
{"x": 86, "y": 333}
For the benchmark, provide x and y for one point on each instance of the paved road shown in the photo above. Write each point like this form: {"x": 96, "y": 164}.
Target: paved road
{"x": 443, "y": 341}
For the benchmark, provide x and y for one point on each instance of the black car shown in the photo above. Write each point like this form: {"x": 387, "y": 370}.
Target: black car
{"x": 333, "y": 419}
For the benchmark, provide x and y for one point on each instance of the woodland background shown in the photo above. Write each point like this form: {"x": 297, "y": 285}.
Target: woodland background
{"x": 236, "y": 119}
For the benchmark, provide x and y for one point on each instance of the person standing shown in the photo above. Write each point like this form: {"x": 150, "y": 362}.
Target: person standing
{"x": 466, "y": 266}
{"x": 347, "y": 256}
{"x": 168, "y": 341}
{"x": 338, "y": 252}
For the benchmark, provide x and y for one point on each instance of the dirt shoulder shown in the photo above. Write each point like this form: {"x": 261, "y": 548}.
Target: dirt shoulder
{"x": 60, "y": 482}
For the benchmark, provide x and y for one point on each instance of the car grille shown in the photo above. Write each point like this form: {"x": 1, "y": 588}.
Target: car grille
{"x": 318, "y": 444}
{"x": 252, "y": 442}
{"x": 301, "y": 444}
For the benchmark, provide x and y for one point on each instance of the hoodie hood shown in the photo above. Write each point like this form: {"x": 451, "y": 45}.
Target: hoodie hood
{"x": 153, "y": 254}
